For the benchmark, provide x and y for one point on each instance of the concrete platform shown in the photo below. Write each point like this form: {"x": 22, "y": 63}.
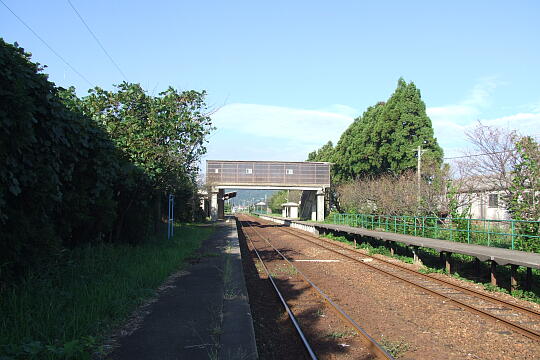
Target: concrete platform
{"x": 482, "y": 253}
{"x": 205, "y": 313}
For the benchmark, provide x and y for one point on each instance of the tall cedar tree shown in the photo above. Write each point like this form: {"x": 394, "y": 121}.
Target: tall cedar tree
{"x": 325, "y": 153}
{"x": 385, "y": 137}
{"x": 357, "y": 151}
{"x": 404, "y": 125}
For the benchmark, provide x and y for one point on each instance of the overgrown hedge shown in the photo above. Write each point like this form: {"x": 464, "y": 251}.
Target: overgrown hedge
{"x": 66, "y": 179}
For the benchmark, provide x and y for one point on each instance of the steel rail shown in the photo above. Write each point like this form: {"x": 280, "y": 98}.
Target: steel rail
{"x": 283, "y": 302}
{"x": 532, "y": 334}
{"x": 371, "y": 344}
{"x": 516, "y": 307}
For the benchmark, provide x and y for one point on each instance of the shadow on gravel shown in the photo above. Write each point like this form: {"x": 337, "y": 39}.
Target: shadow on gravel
{"x": 275, "y": 335}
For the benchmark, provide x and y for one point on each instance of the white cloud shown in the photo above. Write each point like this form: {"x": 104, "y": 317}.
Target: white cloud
{"x": 523, "y": 123}
{"x": 451, "y": 135}
{"x": 470, "y": 108}
{"x": 341, "y": 110}
{"x": 453, "y": 113}
{"x": 263, "y": 132}
{"x": 535, "y": 107}
{"x": 450, "y": 121}
{"x": 307, "y": 126}
{"x": 481, "y": 92}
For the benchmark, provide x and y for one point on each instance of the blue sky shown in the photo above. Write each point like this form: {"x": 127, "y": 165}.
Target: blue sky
{"x": 284, "y": 77}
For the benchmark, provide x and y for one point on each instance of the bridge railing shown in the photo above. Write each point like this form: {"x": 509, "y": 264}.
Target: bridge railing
{"x": 510, "y": 234}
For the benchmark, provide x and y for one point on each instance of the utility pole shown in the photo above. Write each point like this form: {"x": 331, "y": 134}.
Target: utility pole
{"x": 419, "y": 170}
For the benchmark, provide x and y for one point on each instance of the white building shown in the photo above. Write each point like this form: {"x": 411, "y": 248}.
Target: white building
{"x": 290, "y": 210}
{"x": 485, "y": 199}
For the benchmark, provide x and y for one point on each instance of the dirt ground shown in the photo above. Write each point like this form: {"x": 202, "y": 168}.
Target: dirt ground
{"x": 274, "y": 333}
{"x": 409, "y": 322}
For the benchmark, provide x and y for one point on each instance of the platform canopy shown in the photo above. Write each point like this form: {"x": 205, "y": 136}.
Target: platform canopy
{"x": 267, "y": 174}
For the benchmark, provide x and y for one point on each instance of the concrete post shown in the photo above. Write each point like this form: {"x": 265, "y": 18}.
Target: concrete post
{"x": 493, "y": 271}
{"x": 214, "y": 204}
{"x": 513, "y": 278}
{"x": 477, "y": 268}
{"x": 447, "y": 261}
{"x": 320, "y": 205}
{"x": 416, "y": 258}
{"x": 528, "y": 279}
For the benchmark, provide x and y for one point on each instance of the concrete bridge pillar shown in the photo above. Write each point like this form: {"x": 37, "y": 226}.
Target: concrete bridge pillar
{"x": 217, "y": 204}
{"x": 320, "y": 205}
{"x": 214, "y": 204}
{"x": 221, "y": 204}
{"x": 313, "y": 205}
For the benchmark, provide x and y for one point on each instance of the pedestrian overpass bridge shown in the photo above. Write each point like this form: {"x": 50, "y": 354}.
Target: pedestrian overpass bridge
{"x": 313, "y": 178}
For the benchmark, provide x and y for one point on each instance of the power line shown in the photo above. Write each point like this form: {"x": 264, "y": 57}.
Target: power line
{"x": 491, "y": 153}
{"x": 47, "y": 45}
{"x": 97, "y": 40}
{"x": 475, "y": 155}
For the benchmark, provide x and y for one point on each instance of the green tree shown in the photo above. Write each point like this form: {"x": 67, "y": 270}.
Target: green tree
{"x": 163, "y": 136}
{"x": 403, "y": 126}
{"x": 524, "y": 200}
{"x": 324, "y": 154}
{"x": 357, "y": 152}
{"x": 161, "y": 139}
{"x": 386, "y": 136}
{"x": 74, "y": 171}
{"x": 282, "y": 197}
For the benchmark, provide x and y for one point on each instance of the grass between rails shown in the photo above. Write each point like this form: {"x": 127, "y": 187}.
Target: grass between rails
{"x": 64, "y": 313}
{"x": 395, "y": 348}
{"x": 464, "y": 263}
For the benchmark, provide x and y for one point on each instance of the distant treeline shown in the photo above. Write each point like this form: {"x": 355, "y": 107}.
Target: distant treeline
{"x": 76, "y": 171}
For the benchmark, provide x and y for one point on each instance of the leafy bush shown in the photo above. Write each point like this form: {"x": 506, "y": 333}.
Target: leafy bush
{"x": 98, "y": 169}
{"x": 57, "y": 168}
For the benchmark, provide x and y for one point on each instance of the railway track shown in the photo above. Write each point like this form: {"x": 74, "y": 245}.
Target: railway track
{"x": 520, "y": 319}
{"x": 374, "y": 349}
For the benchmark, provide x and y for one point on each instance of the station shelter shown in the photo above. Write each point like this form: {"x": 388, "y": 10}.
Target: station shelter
{"x": 290, "y": 210}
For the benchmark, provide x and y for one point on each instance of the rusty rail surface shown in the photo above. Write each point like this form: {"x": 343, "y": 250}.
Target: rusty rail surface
{"x": 376, "y": 350}
{"x": 530, "y": 333}
{"x": 283, "y": 302}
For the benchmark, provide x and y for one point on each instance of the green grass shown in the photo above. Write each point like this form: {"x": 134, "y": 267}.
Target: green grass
{"x": 287, "y": 269}
{"x": 395, "y": 348}
{"x": 65, "y": 312}
{"x": 341, "y": 334}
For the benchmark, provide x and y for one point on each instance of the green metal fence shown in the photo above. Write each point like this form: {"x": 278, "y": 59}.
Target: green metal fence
{"x": 498, "y": 233}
